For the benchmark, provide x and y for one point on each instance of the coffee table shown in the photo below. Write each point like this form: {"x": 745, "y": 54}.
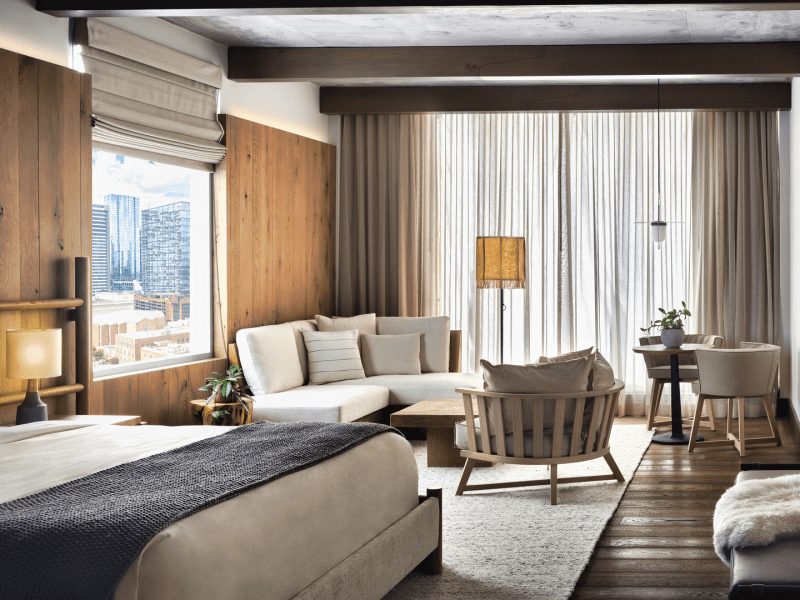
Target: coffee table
{"x": 438, "y": 418}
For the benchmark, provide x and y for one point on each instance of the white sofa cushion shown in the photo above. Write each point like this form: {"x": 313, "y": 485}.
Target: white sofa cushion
{"x": 321, "y": 403}
{"x": 269, "y": 358}
{"x": 299, "y": 327}
{"x": 333, "y": 356}
{"x": 434, "y": 353}
{"x": 390, "y": 354}
{"x": 410, "y": 389}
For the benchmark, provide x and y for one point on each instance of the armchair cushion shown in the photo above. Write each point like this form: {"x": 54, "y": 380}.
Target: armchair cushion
{"x": 602, "y": 375}
{"x": 538, "y": 378}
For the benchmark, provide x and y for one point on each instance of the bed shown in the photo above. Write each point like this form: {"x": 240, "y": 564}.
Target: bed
{"x": 349, "y": 527}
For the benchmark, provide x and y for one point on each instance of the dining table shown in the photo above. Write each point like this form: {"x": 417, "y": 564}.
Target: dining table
{"x": 677, "y": 436}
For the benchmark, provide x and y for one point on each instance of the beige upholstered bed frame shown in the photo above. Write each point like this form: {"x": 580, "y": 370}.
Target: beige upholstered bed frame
{"x": 371, "y": 572}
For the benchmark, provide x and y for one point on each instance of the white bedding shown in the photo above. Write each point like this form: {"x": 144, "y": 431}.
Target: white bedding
{"x": 268, "y": 543}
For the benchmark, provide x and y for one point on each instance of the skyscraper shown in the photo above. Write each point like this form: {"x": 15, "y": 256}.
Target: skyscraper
{"x": 165, "y": 249}
{"x": 101, "y": 242}
{"x": 125, "y": 226}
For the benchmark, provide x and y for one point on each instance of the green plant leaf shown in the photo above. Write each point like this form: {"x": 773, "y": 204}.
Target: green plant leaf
{"x": 687, "y": 313}
{"x": 662, "y": 310}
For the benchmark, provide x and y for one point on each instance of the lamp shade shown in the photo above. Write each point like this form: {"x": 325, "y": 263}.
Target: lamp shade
{"x": 500, "y": 262}
{"x": 33, "y": 353}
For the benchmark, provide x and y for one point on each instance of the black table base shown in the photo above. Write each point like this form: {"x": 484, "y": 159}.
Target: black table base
{"x": 668, "y": 440}
{"x": 677, "y": 437}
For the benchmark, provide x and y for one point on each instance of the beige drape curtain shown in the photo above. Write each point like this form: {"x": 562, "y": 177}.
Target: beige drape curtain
{"x": 735, "y": 229}
{"x": 149, "y": 101}
{"x": 388, "y": 216}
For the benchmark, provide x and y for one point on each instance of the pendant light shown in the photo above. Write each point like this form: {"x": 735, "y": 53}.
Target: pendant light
{"x": 658, "y": 227}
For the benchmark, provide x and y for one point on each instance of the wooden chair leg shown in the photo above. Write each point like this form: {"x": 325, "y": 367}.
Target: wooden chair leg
{"x": 729, "y": 419}
{"x": 701, "y": 400}
{"x": 741, "y": 426}
{"x": 712, "y": 418}
{"x": 773, "y": 425}
{"x": 614, "y": 468}
{"x": 462, "y": 483}
{"x": 655, "y": 399}
{"x": 554, "y": 485}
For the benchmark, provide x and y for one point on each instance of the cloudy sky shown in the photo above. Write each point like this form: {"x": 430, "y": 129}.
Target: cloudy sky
{"x": 153, "y": 184}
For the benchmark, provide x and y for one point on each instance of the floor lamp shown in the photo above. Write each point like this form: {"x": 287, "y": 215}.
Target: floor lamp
{"x": 500, "y": 264}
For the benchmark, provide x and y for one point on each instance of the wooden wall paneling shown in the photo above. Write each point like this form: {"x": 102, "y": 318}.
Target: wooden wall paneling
{"x": 156, "y": 390}
{"x": 301, "y": 198}
{"x": 96, "y": 398}
{"x": 121, "y": 395}
{"x": 29, "y": 184}
{"x": 263, "y": 300}
{"x": 282, "y": 215}
{"x": 9, "y": 212}
{"x": 220, "y": 251}
{"x": 179, "y": 401}
{"x": 238, "y": 263}
{"x": 327, "y": 239}
{"x": 59, "y": 203}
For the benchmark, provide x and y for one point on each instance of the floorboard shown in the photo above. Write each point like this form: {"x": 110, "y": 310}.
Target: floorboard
{"x": 659, "y": 542}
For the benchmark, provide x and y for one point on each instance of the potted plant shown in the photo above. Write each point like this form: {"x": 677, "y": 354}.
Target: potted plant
{"x": 671, "y": 326}
{"x": 228, "y": 403}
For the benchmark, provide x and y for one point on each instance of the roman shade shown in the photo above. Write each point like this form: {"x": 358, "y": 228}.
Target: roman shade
{"x": 150, "y": 101}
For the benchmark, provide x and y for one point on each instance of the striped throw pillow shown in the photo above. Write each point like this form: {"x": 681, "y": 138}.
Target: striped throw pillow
{"x": 333, "y": 356}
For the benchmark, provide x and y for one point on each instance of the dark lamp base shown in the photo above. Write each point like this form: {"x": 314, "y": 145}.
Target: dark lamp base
{"x": 32, "y": 409}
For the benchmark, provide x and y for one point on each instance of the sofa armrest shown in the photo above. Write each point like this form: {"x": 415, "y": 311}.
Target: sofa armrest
{"x": 455, "y": 351}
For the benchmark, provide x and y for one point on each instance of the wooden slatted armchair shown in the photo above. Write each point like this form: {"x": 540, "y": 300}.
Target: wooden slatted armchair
{"x": 537, "y": 430}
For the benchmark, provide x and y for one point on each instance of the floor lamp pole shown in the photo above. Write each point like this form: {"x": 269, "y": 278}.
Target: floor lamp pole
{"x": 502, "y": 308}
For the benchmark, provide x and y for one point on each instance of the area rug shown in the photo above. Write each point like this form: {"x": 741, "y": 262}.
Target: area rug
{"x": 513, "y": 545}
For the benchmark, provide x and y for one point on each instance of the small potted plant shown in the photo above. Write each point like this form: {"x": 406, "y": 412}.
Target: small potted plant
{"x": 671, "y": 326}
{"x": 228, "y": 403}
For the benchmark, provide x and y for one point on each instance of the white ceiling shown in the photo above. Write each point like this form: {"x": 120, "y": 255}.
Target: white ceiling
{"x": 517, "y": 27}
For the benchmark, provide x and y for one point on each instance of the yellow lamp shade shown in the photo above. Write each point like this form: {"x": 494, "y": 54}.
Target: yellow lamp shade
{"x": 33, "y": 353}
{"x": 500, "y": 262}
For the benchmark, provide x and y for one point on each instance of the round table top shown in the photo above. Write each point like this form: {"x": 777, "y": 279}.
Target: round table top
{"x": 662, "y": 349}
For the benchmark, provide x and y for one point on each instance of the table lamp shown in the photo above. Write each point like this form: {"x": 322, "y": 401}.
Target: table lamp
{"x": 500, "y": 263}
{"x": 33, "y": 354}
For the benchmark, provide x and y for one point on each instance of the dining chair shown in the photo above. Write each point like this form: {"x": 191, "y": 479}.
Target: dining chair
{"x": 658, "y": 370}
{"x": 741, "y": 373}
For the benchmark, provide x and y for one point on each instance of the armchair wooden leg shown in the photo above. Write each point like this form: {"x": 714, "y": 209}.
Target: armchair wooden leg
{"x": 712, "y": 418}
{"x": 655, "y": 400}
{"x": 771, "y": 417}
{"x": 614, "y": 468}
{"x": 701, "y": 400}
{"x": 729, "y": 418}
{"x": 554, "y": 485}
{"x": 741, "y": 426}
{"x": 462, "y": 483}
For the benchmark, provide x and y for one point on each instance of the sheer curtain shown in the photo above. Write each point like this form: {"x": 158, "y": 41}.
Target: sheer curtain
{"x": 573, "y": 185}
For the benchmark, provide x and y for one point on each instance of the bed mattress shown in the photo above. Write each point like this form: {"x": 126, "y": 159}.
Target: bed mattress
{"x": 270, "y": 542}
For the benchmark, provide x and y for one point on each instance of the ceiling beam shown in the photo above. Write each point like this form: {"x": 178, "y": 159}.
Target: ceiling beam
{"x": 220, "y": 8}
{"x": 491, "y": 62}
{"x": 554, "y": 98}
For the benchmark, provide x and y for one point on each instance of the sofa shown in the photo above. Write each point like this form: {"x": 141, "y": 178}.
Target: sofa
{"x": 269, "y": 357}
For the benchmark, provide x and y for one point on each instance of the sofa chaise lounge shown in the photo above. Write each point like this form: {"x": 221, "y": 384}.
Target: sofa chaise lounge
{"x": 266, "y": 354}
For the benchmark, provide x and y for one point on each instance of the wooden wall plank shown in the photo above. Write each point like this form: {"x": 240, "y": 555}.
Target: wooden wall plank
{"x": 280, "y": 237}
{"x": 96, "y": 398}
{"x": 29, "y": 181}
{"x": 219, "y": 251}
{"x": 121, "y": 395}
{"x": 156, "y": 389}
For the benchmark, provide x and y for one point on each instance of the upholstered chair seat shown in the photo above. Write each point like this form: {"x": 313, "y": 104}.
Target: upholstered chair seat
{"x": 741, "y": 373}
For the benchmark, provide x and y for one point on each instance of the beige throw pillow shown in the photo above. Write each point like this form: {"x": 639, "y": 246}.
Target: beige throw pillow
{"x": 362, "y": 323}
{"x": 390, "y": 354}
{"x": 333, "y": 356}
{"x": 557, "y": 377}
{"x": 602, "y": 376}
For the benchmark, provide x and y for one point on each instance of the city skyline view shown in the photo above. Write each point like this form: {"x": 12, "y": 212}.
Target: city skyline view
{"x": 141, "y": 258}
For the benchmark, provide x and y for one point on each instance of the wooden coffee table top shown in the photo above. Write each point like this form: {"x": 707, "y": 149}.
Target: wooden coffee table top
{"x": 431, "y": 413}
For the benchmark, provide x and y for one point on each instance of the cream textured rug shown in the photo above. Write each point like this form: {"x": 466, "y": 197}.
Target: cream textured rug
{"x": 513, "y": 545}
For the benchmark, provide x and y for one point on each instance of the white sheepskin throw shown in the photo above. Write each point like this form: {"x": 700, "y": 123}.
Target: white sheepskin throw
{"x": 753, "y": 512}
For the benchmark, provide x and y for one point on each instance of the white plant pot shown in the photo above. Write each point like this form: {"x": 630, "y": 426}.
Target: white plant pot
{"x": 672, "y": 338}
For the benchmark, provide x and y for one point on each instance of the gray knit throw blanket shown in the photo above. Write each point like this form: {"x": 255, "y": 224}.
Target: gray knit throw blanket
{"x": 78, "y": 539}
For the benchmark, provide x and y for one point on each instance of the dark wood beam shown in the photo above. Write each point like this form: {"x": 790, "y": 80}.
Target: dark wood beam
{"x": 209, "y": 8}
{"x": 554, "y": 98}
{"x": 482, "y": 62}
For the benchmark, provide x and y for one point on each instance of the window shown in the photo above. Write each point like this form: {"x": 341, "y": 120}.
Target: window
{"x": 151, "y": 257}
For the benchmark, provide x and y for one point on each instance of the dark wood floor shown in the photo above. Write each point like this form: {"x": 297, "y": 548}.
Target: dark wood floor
{"x": 659, "y": 542}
